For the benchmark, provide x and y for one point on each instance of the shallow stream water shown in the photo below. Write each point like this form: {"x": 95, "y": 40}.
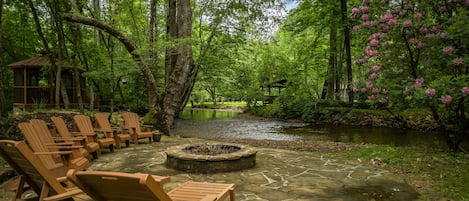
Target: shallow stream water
{"x": 224, "y": 124}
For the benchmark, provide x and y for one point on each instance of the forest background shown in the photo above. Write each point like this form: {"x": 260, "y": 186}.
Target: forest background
{"x": 157, "y": 56}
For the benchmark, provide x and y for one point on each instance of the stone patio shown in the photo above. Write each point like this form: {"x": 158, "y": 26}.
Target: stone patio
{"x": 279, "y": 174}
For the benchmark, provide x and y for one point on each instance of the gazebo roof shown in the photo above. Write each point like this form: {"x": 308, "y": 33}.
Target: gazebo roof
{"x": 38, "y": 62}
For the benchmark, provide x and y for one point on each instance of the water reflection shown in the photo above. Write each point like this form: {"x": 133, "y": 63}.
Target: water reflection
{"x": 205, "y": 114}
{"x": 216, "y": 124}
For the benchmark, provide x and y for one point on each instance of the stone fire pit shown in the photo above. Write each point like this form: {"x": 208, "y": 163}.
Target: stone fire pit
{"x": 210, "y": 157}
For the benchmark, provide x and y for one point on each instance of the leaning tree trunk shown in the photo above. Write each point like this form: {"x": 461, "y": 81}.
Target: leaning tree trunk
{"x": 128, "y": 44}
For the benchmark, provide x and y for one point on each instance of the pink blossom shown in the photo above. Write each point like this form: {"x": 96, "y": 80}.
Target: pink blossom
{"x": 437, "y": 28}
{"x": 374, "y": 23}
{"x": 430, "y": 36}
{"x": 418, "y": 83}
{"x": 457, "y": 61}
{"x": 413, "y": 41}
{"x": 372, "y": 53}
{"x": 444, "y": 35}
{"x": 385, "y": 92}
{"x": 408, "y": 6}
{"x": 355, "y": 90}
{"x": 374, "y": 42}
{"x": 366, "y": 1}
{"x": 407, "y": 23}
{"x": 446, "y": 99}
{"x": 383, "y": 101}
{"x": 448, "y": 49}
{"x": 372, "y": 97}
{"x": 403, "y": 12}
{"x": 423, "y": 30}
{"x": 364, "y": 9}
{"x": 375, "y": 68}
{"x": 377, "y": 36}
{"x": 375, "y": 90}
{"x": 356, "y": 28}
{"x": 430, "y": 92}
{"x": 419, "y": 45}
{"x": 373, "y": 76}
{"x": 369, "y": 84}
{"x": 384, "y": 28}
{"x": 465, "y": 90}
{"x": 466, "y": 3}
{"x": 386, "y": 17}
{"x": 366, "y": 24}
{"x": 392, "y": 22}
{"x": 365, "y": 17}
{"x": 418, "y": 16}
{"x": 355, "y": 12}
{"x": 363, "y": 90}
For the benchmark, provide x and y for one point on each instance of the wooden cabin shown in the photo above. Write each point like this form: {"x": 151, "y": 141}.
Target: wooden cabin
{"x": 34, "y": 83}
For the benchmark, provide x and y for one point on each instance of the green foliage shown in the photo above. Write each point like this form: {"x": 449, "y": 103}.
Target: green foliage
{"x": 422, "y": 163}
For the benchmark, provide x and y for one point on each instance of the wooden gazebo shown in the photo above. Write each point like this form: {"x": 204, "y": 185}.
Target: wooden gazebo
{"x": 34, "y": 82}
{"x": 271, "y": 95}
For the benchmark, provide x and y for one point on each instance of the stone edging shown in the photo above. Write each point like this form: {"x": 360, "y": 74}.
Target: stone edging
{"x": 178, "y": 152}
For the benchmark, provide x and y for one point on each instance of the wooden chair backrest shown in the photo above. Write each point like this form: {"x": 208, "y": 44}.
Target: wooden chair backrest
{"x": 37, "y": 144}
{"x": 84, "y": 123}
{"x": 103, "y": 122}
{"x": 61, "y": 127}
{"x": 103, "y": 186}
{"x": 131, "y": 120}
{"x": 28, "y": 165}
{"x": 42, "y": 130}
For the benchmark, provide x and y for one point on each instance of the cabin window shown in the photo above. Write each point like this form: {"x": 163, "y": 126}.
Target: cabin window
{"x": 18, "y": 73}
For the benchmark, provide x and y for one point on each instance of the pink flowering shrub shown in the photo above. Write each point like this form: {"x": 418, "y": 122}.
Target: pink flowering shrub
{"x": 413, "y": 58}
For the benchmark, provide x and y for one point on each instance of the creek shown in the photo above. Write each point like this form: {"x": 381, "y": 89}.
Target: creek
{"x": 206, "y": 123}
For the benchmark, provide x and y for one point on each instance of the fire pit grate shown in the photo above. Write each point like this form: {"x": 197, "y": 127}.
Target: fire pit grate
{"x": 211, "y": 149}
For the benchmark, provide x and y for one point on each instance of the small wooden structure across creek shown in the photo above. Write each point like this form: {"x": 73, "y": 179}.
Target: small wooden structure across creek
{"x": 271, "y": 94}
{"x": 34, "y": 83}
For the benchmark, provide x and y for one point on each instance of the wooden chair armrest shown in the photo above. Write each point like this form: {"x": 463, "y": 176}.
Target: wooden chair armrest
{"x": 65, "y": 147}
{"x": 77, "y": 138}
{"x": 60, "y": 144}
{"x": 85, "y": 133}
{"x": 54, "y": 153}
{"x": 62, "y": 196}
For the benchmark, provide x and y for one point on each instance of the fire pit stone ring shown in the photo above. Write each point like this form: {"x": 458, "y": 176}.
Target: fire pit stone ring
{"x": 210, "y": 157}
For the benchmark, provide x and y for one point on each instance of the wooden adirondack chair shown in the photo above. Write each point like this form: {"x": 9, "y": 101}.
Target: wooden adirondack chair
{"x": 85, "y": 126}
{"x": 145, "y": 187}
{"x": 54, "y": 156}
{"x": 32, "y": 171}
{"x": 41, "y": 127}
{"x": 91, "y": 145}
{"x": 132, "y": 125}
{"x": 105, "y": 127}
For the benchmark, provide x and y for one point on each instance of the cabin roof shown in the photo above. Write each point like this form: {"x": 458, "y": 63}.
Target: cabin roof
{"x": 39, "y": 62}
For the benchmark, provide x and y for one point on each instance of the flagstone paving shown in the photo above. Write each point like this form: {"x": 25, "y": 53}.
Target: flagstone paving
{"x": 278, "y": 175}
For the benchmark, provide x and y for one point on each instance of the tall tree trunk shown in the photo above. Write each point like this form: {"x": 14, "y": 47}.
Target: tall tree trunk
{"x": 348, "y": 56}
{"x": 172, "y": 31}
{"x": 61, "y": 90}
{"x": 178, "y": 79}
{"x": 76, "y": 48}
{"x": 2, "y": 92}
{"x": 332, "y": 57}
{"x": 153, "y": 34}
{"x": 50, "y": 55}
